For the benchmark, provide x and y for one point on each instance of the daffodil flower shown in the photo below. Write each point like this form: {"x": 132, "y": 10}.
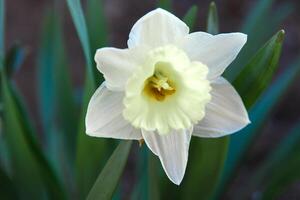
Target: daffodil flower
{"x": 165, "y": 87}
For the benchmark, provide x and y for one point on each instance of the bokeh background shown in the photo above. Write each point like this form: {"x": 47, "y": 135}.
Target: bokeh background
{"x": 24, "y": 19}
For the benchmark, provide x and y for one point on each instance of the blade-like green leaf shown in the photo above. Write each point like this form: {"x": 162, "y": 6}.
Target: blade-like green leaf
{"x": 56, "y": 97}
{"x": 213, "y": 19}
{"x": 96, "y": 24}
{"x": 240, "y": 141}
{"x": 191, "y": 16}
{"x": 2, "y": 12}
{"x": 48, "y": 58}
{"x": 207, "y": 159}
{"x": 30, "y": 167}
{"x": 55, "y": 86}
{"x": 257, "y": 75}
{"x": 89, "y": 150}
{"x": 110, "y": 175}
{"x": 165, "y": 4}
{"x": 80, "y": 24}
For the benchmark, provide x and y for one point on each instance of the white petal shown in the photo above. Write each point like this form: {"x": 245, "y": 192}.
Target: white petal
{"x": 215, "y": 51}
{"x": 172, "y": 150}
{"x": 225, "y": 113}
{"x": 117, "y": 65}
{"x": 104, "y": 116}
{"x": 157, "y": 28}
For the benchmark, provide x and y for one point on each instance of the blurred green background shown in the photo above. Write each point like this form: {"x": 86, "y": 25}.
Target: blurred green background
{"x": 44, "y": 153}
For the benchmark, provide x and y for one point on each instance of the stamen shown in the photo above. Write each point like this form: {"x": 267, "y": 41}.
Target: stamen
{"x": 159, "y": 86}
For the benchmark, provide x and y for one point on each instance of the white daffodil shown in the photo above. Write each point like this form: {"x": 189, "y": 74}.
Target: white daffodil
{"x": 166, "y": 87}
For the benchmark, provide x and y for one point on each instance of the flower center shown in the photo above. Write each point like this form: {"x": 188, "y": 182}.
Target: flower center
{"x": 167, "y": 91}
{"x": 159, "y": 86}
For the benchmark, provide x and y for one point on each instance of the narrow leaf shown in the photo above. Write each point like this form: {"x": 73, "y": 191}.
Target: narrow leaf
{"x": 207, "y": 160}
{"x": 80, "y": 24}
{"x": 258, "y": 73}
{"x": 56, "y": 97}
{"x": 191, "y": 16}
{"x": 213, "y": 19}
{"x": 89, "y": 150}
{"x": 109, "y": 177}
{"x": 96, "y": 24}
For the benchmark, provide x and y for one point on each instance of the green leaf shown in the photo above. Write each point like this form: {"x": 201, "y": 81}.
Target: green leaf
{"x": 29, "y": 166}
{"x": 207, "y": 157}
{"x": 96, "y": 24}
{"x": 89, "y": 150}
{"x": 80, "y": 25}
{"x": 241, "y": 141}
{"x": 191, "y": 16}
{"x": 55, "y": 87}
{"x": 109, "y": 177}
{"x": 165, "y": 4}
{"x": 2, "y": 20}
{"x": 258, "y": 73}
{"x": 7, "y": 189}
{"x": 213, "y": 19}
{"x": 56, "y": 97}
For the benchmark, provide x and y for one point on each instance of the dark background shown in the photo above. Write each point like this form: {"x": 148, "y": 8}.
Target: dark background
{"x": 24, "y": 20}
